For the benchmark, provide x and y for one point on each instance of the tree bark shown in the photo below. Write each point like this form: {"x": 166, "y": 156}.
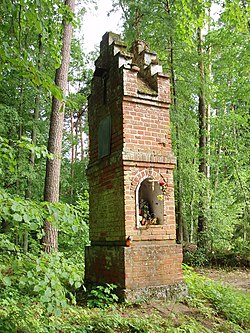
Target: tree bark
{"x": 52, "y": 179}
{"x": 202, "y": 222}
{"x": 81, "y": 138}
{"x": 72, "y": 156}
{"x": 181, "y": 232}
{"x": 20, "y": 133}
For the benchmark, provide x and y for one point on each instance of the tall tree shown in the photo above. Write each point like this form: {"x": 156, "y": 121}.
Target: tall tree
{"x": 52, "y": 179}
{"x": 202, "y": 221}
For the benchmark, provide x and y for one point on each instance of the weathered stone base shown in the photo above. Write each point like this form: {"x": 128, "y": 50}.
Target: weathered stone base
{"x": 169, "y": 292}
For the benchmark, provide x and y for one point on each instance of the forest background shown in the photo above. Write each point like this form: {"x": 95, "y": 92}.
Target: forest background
{"x": 207, "y": 57}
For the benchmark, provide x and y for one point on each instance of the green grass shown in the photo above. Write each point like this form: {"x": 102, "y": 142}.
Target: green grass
{"x": 220, "y": 300}
{"x": 212, "y": 308}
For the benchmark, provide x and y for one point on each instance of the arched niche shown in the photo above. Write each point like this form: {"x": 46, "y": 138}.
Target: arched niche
{"x": 149, "y": 203}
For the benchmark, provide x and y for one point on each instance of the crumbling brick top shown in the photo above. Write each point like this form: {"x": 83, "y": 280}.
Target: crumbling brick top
{"x": 114, "y": 53}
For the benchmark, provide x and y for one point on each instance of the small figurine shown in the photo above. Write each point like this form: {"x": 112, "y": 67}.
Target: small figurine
{"x": 154, "y": 219}
{"x": 144, "y": 211}
{"x": 129, "y": 241}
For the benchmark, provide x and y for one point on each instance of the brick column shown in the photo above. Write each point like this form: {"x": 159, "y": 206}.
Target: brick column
{"x": 131, "y": 160}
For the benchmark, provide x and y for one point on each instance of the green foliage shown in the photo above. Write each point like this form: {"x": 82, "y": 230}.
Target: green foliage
{"x": 234, "y": 305}
{"x": 212, "y": 300}
{"x": 102, "y": 296}
{"x": 225, "y": 48}
{"x": 76, "y": 185}
{"x": 37, "y": 290}
{"x": 18, "y": 314}
{"x": 9, "y": 155}
{"x": 75, "y": 236}
{"x": 30, "y": 20}
{"x": 29, "y": 56}
{"x": 54, "y": 279}
{"x": 20, "y": 216}
{"x": 51, "y": 279}
{"x": 196, "y": 258}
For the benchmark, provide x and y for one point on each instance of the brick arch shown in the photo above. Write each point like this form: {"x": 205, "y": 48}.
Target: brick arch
{"x": 144, "y": 174}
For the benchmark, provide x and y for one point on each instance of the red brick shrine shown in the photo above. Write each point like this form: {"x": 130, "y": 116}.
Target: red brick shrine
{"x": 130, "y": 172}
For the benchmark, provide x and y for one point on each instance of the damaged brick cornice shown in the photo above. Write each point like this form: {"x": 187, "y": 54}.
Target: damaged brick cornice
{"x": 114, "y": 53}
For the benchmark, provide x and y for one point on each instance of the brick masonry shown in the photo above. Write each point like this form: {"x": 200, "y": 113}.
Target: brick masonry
{"x": 130, "y": 145}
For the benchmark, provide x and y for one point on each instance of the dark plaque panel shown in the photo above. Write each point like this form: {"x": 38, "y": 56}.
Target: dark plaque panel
{"x": 104, "y": 137}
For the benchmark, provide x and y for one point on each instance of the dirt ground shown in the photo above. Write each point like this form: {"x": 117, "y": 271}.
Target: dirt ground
{"x": 238, "y": 278}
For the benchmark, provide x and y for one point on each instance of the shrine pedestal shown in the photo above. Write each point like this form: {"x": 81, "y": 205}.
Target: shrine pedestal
{"x": 139, "y": 271}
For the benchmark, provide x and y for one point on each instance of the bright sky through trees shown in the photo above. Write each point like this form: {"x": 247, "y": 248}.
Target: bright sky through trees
{"x": 97, "y": 22}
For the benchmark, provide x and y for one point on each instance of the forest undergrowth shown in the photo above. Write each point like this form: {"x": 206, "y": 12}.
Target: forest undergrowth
{"x": 209, "y": 307}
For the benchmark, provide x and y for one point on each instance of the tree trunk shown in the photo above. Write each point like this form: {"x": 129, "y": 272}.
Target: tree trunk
{"x": 208, "y": 125}
{"x": 76, "y": 138}
{"x": 202, "y": 222}
{"x": 52, "y": 179}
{"x": 20, "y": 133}
{"x": 81, "y": 138}
{"x": 72, "y": 157}
{"x": 191, "y": 235}
{"x": 181, "y": 234}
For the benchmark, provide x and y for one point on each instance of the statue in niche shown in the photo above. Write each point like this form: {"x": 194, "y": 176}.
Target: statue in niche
{"x": 150, "y": 201}
{"x": 146, "y": 216}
